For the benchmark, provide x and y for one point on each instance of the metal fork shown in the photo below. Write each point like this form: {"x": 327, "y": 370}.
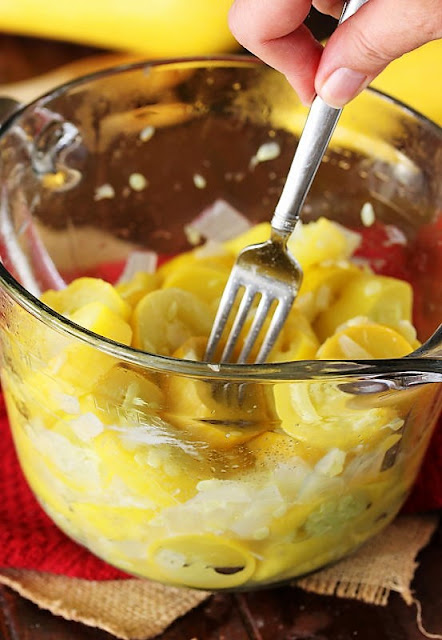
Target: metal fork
{"x": 268, "y": 271}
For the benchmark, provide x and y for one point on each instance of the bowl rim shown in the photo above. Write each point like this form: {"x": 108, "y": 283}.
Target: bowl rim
{"x": 423, "y": 365}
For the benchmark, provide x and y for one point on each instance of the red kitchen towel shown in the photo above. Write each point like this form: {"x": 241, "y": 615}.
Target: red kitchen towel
{"x": 29, "y": 540}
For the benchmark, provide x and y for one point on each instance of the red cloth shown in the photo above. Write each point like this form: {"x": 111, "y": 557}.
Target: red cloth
{"x": 29, "y": 540}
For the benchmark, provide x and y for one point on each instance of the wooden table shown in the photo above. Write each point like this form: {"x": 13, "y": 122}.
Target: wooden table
{"x": 276, "y": 614}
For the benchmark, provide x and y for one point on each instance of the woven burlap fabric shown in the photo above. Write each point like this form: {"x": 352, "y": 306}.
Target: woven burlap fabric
{"x": 140, "y": 609}
{"x": 384, "y": 564}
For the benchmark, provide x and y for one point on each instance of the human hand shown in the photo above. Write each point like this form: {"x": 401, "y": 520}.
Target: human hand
{"x": 355, "y": 54}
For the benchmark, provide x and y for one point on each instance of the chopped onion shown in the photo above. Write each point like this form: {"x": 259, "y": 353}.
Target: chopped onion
{"x": 332, "y": 463}
{"x": 394, "y": 236}
{"x": 267, "y": 151}
{"x": 210, "y": 249}
{"x": 87, "y": 426}
{"x": 193, "y": 236}
{"x": 199, "y": 181}
{"x": 137, "y": 181}
{"x": 406, "y": 329}
{"x": 219, "y": 222}
{"x": 364, "y": 466}
{"x": 368, "y": 216}
{"x": 356, "y": 321}
{"x": 145, "y": 261}
{"x": 146, "y": 133}
{"x": 363, "y": 263}
{"x": 290, "y": 476}
{"x": 69, "y": 404}
{"x": 352, "y": 350}
{"x": 318, "y": 486}
{"x": 104, "y": 192}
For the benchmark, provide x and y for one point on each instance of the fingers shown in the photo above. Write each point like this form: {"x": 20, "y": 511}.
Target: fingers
{"x": 361, "y": 47}
{"x": 273, "y": 31}
{"x": 329, "y": 7}
{"x": 357, "y": 52}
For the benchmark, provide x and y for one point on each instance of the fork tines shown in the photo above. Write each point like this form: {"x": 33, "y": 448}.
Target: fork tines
{"x": 253, "y": 285}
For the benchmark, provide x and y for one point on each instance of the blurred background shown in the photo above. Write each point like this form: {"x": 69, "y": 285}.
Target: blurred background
{"x": 44, "y": 43}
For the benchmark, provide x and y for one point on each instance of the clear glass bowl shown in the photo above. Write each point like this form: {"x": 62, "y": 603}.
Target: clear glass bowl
{"x": 167, "y": 483}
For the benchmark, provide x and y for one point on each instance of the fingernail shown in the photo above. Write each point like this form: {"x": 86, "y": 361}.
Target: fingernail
{"x": 307, "y": 101}
{"x": 343, "y": 85}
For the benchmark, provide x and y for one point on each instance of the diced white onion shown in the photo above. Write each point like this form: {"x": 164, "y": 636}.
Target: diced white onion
{"x": 368, "y": 216}
{"x": 332, "y": 463}
{"x": 289, "y": 478}
{"x": 146, "y": 133}
{"x": 193, "y": 236}
{"x": 394, "y": 236}
{"x": 357, "y": 321}
{"x": 104, "y": 192}
{"x": 267, "y": 151}
{"x": 210, "y": 249}
{"x": 406, "y": 329}
{"x": 219, "y": 222}
{"x": 145, "y": 261}
{"x": 69, "y": 404}
{"x": 199, "y": 181}
{"x": 317, "y": 485}
{"x": 87, "y": 426}
{"x": 352, "y": 350}
{"x": 137, "y": 181}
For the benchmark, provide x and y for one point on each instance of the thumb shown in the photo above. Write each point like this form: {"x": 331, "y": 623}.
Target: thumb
{"x": 362, "y": 46}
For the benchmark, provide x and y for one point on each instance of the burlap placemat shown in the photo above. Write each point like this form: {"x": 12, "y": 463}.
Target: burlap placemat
{"x": 140, "y": 609}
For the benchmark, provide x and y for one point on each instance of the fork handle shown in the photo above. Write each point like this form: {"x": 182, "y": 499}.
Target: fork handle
{"x": 320, "y": 124}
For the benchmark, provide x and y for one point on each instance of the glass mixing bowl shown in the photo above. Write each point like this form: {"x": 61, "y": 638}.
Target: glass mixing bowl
{"x": 130, "y": 453}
